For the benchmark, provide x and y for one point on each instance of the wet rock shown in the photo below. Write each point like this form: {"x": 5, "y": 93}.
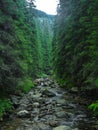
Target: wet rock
{"x": 47, "y": 106}
{"x": 23, "y": 113}
{"x": 42, "y": 84}
{"x": 15, "y": 99}
{"x": 60, "y": 114}
{"x": 69, "y": 106}
{"x": 95, "y": 127}
{"x": 74, "y": 90}
{"x": 61, "y": 101}
{"x": 36, "y": 104}
{"x": 43, "y": 126}
{"x": 35, "y": 119}
{"x": 1, "y": 119}
{"x": 35, "y": 111}
{"x": 46, "y": 84}
{"x": 58, "y": 109}
{"x": 31, "y": 93}
{"x": 53, "y": 123}
{"x": 63, "y": 128}
{"x": 24, "y": 101}
{"x": 36, "y": 96}
{"x": 75, "y": 129}
{"x": 38, "y": 81}
{"x": 48, "y": 93}
{"x": 63, "y": 114}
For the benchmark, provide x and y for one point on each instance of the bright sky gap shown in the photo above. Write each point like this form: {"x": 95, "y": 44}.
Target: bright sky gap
{"x": 48, "y": 6}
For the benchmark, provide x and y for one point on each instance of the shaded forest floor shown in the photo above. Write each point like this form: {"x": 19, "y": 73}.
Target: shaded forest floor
{"x": 49, "y": 107}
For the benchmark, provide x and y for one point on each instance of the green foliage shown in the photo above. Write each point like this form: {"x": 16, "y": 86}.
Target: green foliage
{"x": 25, "y": 85}
{"x": 43, "y": 75}
{"x": 5, "y": 105}
{"x": 25, "y": 47}
{"x": 18, "y": 46}
{"x": 96, "y": 82}
{"x": 94, "y": 107}
{"x": 75, "y": 43}
{"x": 61, "y": 82}
{"x": 44, "y": 40}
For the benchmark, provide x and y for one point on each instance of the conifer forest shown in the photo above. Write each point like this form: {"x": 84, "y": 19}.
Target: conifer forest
{"x": 49, "y": 66}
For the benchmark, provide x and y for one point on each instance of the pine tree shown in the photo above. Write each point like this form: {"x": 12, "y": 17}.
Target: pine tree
{"x": 75, "y": 43}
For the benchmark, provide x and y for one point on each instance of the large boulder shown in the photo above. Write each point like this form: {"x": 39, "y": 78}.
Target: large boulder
{"x": 61, "y": 101}
{"x": 62, "y": 128}
{"x": 53, "y": 123}
{"x": 48, "y": 93}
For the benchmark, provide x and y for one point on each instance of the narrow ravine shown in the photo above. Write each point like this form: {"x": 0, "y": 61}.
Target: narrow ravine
{"x": 48, "y": 107}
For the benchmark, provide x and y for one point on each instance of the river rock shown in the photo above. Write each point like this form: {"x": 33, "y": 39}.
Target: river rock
{"x": 35, "y": 112}
{"x": 44, "y": 109}
{"x": 48, "y": 93}
{"x": 61, "y": 101}
{"x": 36, "y": 104}
{"x": 63, "y": 128}
{"x": 53, "y": 123}
{"x": 23, "y": 113}
{"x": 74, "y": 90}
{"x": 75, "y": 129}
{"x": 36, "y": 96}
{"x": 43, "y": 126}
{"x": 31, "y": 93}
{"x": 15, "y": 99}
{"x": 61, "y": 114}
{"x": 1, "y": 119}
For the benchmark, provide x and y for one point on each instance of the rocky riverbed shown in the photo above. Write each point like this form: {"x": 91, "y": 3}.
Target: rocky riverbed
{"x": 49, "y": 107}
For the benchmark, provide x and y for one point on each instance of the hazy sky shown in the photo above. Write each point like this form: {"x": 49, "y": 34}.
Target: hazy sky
{"x": 48, "y": 6}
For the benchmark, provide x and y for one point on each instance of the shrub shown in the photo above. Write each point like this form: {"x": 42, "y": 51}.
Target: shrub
{"x": 94, "y": 107}
{"x": 25, "y": 85}
{"x": 5, "y": 105}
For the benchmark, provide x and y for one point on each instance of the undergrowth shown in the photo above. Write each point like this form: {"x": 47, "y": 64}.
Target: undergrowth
{"x": 5, "y": 105}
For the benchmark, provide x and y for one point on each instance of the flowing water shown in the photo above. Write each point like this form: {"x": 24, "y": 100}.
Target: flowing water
{"x": 48, "y": 107}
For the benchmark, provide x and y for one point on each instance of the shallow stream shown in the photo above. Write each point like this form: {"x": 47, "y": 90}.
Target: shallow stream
{"x": 48, "y": 107}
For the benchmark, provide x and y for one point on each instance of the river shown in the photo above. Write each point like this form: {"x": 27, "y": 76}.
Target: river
{"x": 49, "y": 107}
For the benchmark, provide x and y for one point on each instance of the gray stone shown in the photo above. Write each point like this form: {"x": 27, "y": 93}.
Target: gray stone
{"x": 35, "y": 111}
{"x": 48, "y": 108}
{"x": 36, "y": 104}
{"x": 63, "y": 114}
{"x": 43, "y": 126}
{"x": 95, "y": 127}
{"x": 49, "y": 93}
{"x": 15, "y": 99}
{"x": 24, "y": 101}
{"x": 74, "y": 90}
{"x": 60, "y": 114}
{"x": 23, "y": 113}
{"x": 31, "y": 93}
{"x": 53, "y": 123}
{"x": 61, "y": 101}
{"x": 62, "y": 128}
{"x": 36, "y": 96}
{"x": 58, "y": 109}
{"x": 1, "y": 119}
